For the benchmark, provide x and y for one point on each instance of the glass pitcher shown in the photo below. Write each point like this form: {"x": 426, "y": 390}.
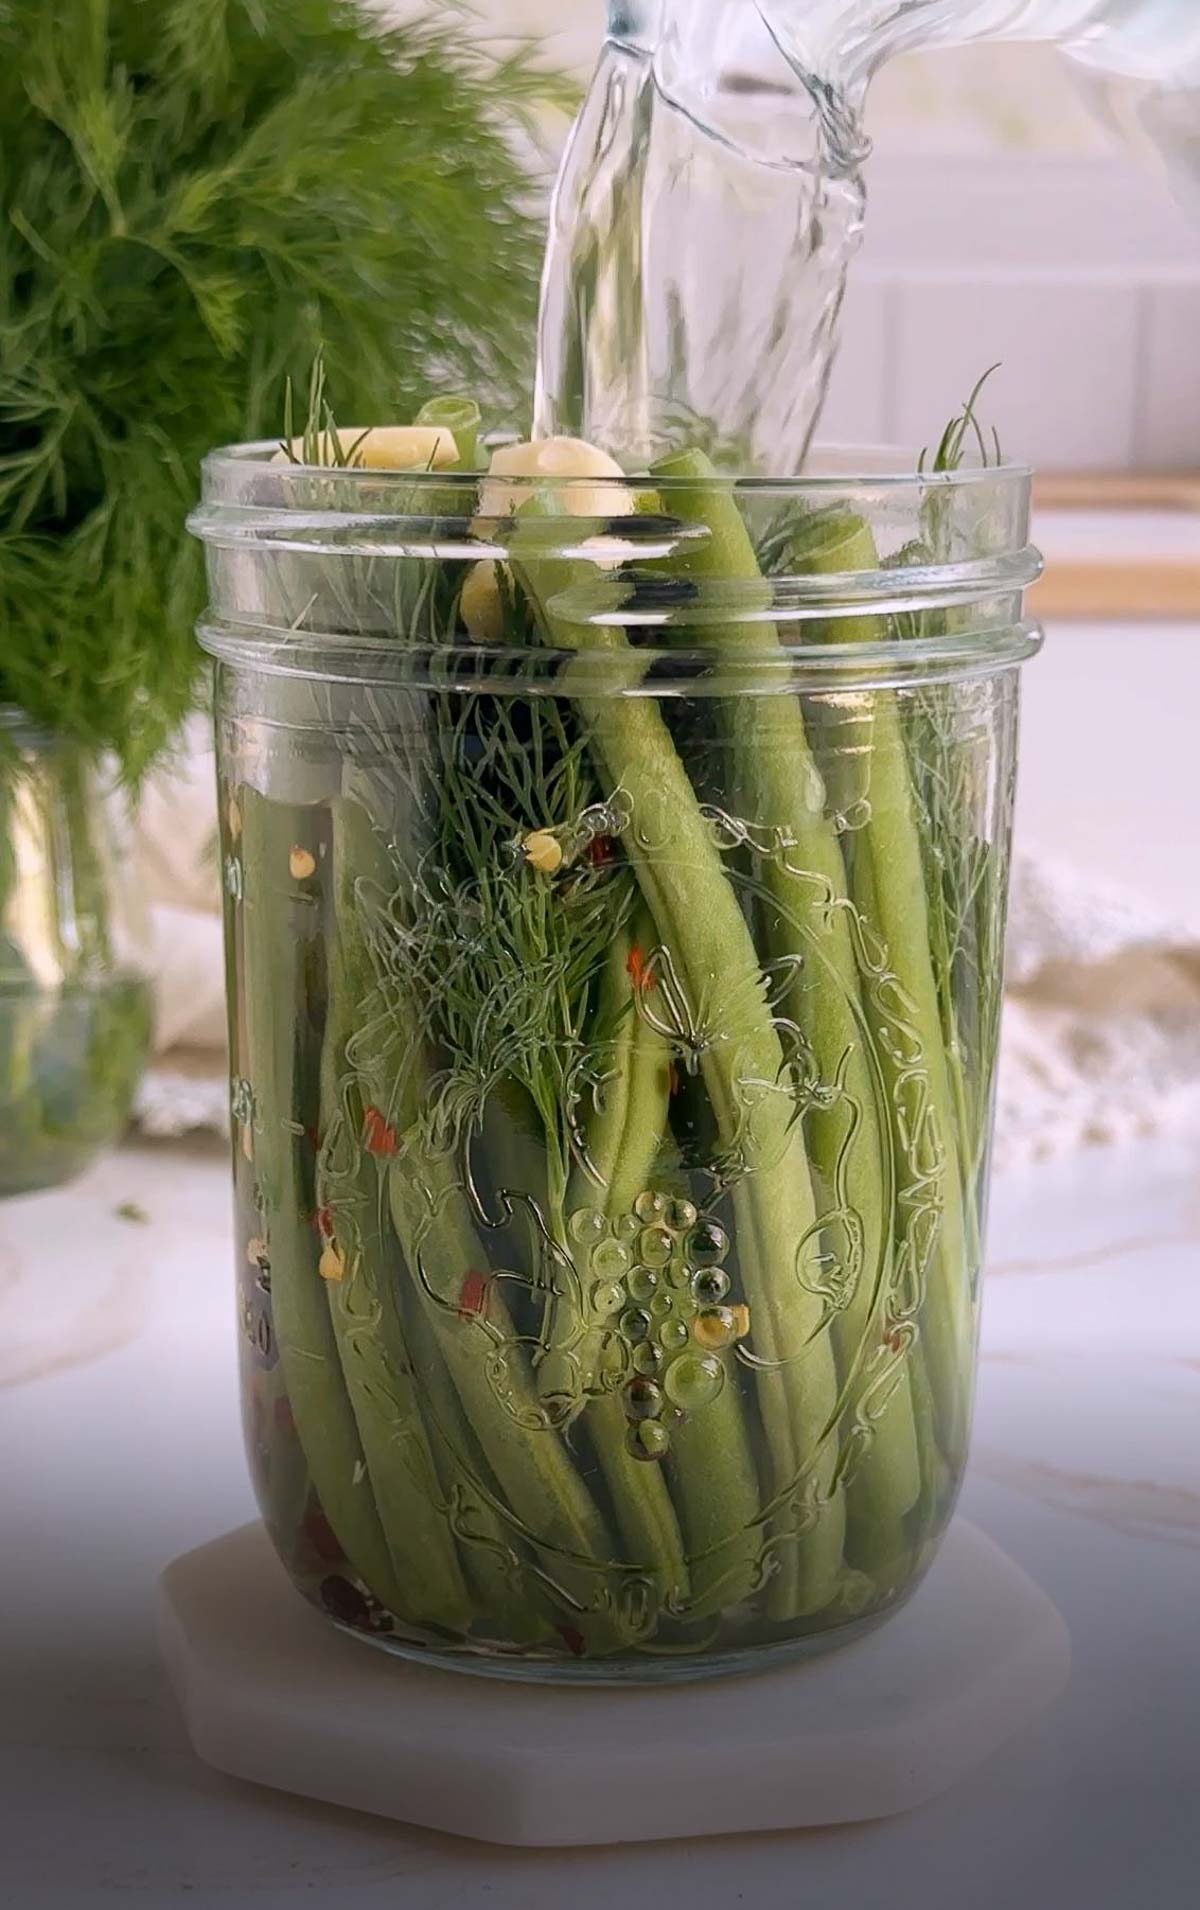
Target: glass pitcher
{"x": 709, "y": 123}
{"x": 846, "y": 41}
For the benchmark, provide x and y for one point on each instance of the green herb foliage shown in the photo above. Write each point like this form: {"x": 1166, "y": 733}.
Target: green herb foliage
{"x": 194, "y": 196}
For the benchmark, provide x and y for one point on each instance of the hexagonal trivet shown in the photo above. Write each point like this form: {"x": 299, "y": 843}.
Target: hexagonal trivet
{"x": 272, "y": 1692}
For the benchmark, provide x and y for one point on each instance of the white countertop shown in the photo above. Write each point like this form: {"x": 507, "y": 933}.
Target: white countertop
{"x": 121, "y": 1447}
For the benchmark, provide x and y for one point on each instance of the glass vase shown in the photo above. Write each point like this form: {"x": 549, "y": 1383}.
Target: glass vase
{"x": 75, "y": 1012}
{"x": 615, "y": 882}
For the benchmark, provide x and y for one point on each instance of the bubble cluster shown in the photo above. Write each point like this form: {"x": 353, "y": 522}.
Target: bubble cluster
{"x": 661, "y": 1293}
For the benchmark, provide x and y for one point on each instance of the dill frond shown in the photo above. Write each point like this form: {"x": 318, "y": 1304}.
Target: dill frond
{"x": 195, "y": 197}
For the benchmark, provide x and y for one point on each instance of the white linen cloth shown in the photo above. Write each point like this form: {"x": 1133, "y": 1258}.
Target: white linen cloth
{"x": 1102, "y": 1019}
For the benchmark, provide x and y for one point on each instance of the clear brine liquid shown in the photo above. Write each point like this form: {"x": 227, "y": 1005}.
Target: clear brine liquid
{"x": 699, "y": 242}
{"x": 711, "y": 200}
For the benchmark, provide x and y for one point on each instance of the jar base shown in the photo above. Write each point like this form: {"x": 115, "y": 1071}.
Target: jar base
{"x": 646, "y": 1670}
{"x": 272, "y": 1694}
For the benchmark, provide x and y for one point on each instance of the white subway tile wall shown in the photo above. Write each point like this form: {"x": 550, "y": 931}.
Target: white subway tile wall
{"x": 856, "y": 409}
{"x": 1168, "y": 421}
{"x": 993, "y": 232}
{"x": 1065, "y": 393}
{"x": 1082, "y": 277}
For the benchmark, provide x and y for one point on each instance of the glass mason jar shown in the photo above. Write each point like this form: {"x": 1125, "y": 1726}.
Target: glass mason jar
{"x": 75, "y": 1012}
{"x": 616, "y": 884}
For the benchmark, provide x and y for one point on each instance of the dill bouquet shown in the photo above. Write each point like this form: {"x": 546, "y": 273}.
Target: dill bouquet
{"x": 616, "y": 881}
{"x": 193, "y": 193}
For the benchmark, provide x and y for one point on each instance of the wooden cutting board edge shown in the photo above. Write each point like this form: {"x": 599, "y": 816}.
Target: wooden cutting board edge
{"x": 1112, "y": 588}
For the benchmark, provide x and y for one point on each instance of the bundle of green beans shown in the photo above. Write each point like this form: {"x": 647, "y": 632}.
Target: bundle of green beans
{"x": 608, "y": 1148}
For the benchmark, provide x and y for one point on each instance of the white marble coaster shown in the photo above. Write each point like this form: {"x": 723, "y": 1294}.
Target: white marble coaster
{"x": 270, "y": 1691}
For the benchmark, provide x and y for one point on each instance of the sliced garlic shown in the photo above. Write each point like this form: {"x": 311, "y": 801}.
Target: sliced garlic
{"x": 384, "y": 447}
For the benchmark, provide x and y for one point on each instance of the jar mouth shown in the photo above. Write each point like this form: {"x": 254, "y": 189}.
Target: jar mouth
{"x": 255, "y": 472}
{"x": 852, "y": 540}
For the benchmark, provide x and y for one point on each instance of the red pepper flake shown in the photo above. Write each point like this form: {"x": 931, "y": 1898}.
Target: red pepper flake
{"x": 672, "y": 1078}
{"x": 378, "y": 1136}
{"x": 472, "y": 1297}
{"x": 600, "y": 851}
{"x": 572, "y": 1639}
{"x": 894, "y": 1339}
{"x": 322, "y": 1223}
{"x": 313, "y": 1139}
{"x": 638, "y": 970}
{"x": 322, "y": 1537}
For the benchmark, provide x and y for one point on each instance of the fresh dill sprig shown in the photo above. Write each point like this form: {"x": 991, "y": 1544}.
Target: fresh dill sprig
{"x": 196, "y": 195}
{"x": 964, "y": 870}
{"x": 320, "y": 441}
{"x": 500, "y": 957}
{"x": 951, "y": 452}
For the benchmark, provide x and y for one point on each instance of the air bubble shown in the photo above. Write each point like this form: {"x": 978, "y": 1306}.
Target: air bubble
{"x": 643, "y": 1284}
{"x": 608, "y": 1296}
{"x": 707, "y": 1244}
{"x": 655, "y": 1246}
{"x": 586, "y": 1224}
{"x": 650, "y": 1440}
{"x": 694, "y": 1380}
{"x": 710, "y": 1285}
{"x": 661, "y": 1304}
{"x": 610, "y": 1259}
{"x": 680, "y": 1216}
{"x": 627, "y": 1227}
{"x": 647, "y": 1359}
{"x": 643, "y": 1399}
{"x": 650, "y": 1206}
{"x": 672, "y": 1335}
{"x": 715, "y": 1328}
{"x": 635, "y": 1325}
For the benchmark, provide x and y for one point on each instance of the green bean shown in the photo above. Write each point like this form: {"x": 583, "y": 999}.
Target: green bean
{"x": 679, "y": 870}
{"x": 280, "y": 928}
{"x": 379, "y": 1372}
{"x": 810, "y": 923}
{"x": 891, "y": 893}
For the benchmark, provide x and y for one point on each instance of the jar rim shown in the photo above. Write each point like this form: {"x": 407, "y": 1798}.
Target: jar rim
{"x": 263, "y": 508}
{"x": 851, "y": 468}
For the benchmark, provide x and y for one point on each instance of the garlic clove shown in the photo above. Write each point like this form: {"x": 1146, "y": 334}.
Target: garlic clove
{"x": 480, "y": 604}
{"x": 517, "y": 468}
{"x": 384, "y": 447}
